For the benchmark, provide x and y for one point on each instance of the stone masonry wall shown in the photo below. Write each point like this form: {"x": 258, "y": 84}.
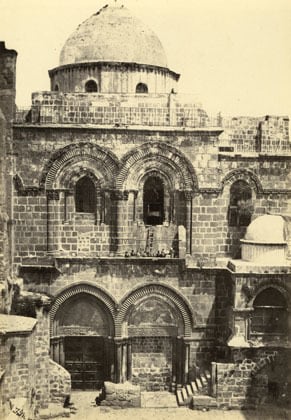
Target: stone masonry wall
{"x": 28, "y": 371}
{"x": 59, "y": 382}
{"x": 153, "y": 110}
{"x": 211, "y": 235}
{"x": 118, "y": 277}
{"x": 258, "y": 376}
{"x": 7, "y": 107}
{"x": 152, "y": 363}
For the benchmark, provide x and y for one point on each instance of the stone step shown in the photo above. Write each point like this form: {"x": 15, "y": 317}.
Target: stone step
{"x": 201, "y": 402}
{"x": 184, "y": 393}
{"x": 199, "y": 383}
{"x": 179, "y": 397}
{"x": 207, "y": 375}
{"x": 194, "y": 387}
{"x": 189, "y": 389}
{"x": 158, "y": 399}
{"x": 203, "y": 380}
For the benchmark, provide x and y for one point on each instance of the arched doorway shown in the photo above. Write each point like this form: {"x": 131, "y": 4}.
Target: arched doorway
{"x": 153, "y": 328}
{"x": 81, "y": 340}
{"x": 154, "y": 323}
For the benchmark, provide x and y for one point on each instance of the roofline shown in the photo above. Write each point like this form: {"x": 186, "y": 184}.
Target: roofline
{"x": 100, "y": 64}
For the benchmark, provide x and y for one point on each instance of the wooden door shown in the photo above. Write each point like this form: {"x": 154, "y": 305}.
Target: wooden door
{"x": 84, "y": 359}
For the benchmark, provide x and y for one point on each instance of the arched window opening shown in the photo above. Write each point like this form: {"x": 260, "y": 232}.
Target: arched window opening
{"x": 85, "y": 196}
{"x": 153, "y": 201}
{"x": 56, "y": 89}
{"x": 270, "y": 313}
{"x": 141, "y": 88}
{"x": 91, "y": 86}
{"x": 240, "y": 204}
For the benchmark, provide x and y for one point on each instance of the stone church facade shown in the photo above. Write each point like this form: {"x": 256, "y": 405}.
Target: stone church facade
{"x": 148, "y": 241}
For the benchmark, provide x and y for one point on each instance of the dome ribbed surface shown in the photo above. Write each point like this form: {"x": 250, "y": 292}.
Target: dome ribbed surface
{"x": 113, "y": 34}
{"x": 266, "y": 229}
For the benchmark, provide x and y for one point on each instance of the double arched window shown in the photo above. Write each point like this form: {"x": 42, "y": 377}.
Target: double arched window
{"x": 85, "y": 195}
{"x": 270, "y": 312}
{"x": 240, "y": 204}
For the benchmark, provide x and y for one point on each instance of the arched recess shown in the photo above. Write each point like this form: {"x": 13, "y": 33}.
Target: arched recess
{"x": 240, "y": 207}
{"x": 102, "y": 160}
{"x": 244, "y": 175}
{"x": 170, "y": 294}
{"x": 82, "y": 326}
{"x": 101, "y": 295}
{"x": 156, "y": 156}
{"x": 271, "y": 308}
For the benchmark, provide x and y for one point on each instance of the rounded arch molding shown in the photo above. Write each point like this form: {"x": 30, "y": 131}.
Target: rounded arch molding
{"x": 279, "y": 286}
{"x": 100, "y": 294}
{"x": 171, "y": 160}
{"x": 156, "y": 289}
{"x": 244, "y": 175}
{"x": 105, "y": 161}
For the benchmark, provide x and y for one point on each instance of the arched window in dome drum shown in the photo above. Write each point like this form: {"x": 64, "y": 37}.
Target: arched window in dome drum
{"x": 240, "y": 204}
{"x": 56, "y": 89}
{"x": 153, "y": 201}
{"x": 85, "y": 195}
{"x": 141, "y": 88}
{"x": 91, "y": 86}
{"x": 270, "y": 313}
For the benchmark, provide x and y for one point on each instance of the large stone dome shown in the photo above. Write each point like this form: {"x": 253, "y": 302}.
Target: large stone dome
{"x": 113, "y": 35}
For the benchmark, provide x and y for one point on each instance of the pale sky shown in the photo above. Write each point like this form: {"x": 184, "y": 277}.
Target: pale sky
{"x": 234, "y": 56}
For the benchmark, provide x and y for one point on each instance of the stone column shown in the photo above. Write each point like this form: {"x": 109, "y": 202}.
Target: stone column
{"x": 124, "y": 362}
{"x": 186, "y": 360}
{"x": 120, "y": 230}
{"x": 53, "y": 218}
{"x": 188, "y": 199}
{"x": 174, "y": 364}
{"x": 129, "y": 360}
{"x": 179, "y": 362}
{"x": 118, "y": 360}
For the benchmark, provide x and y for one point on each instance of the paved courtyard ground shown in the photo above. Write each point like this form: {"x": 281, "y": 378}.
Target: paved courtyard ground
{"x": 86, "y": 410}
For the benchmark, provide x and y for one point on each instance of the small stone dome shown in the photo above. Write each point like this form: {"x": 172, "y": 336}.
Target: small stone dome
{"x": 113, "y": 35}
{"x": 267, "y": 229}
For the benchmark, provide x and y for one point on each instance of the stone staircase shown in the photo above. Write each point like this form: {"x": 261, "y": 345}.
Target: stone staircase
{"x": 197, "y": 393}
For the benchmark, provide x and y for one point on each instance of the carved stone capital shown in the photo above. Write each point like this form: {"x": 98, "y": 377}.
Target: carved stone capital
{"x": 188, "y": 195}
{"x": 118, "y": 195}
{"x": 53, "y": 195}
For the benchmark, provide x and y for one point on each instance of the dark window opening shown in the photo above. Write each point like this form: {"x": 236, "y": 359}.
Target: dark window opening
{"x": 141, "y": 88}
{"x": 56, "y": 88}
{"x": 85, "y": 196}
{"x": 270, "y": 312}
{"x": 153, "y": 201}
{"x": 91, "y": 86}
{"x": 240, "y": 205}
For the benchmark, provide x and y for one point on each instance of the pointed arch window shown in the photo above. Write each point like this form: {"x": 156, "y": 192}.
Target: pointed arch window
{"x": 153, "y": 201}
{"x": 141, "y": 88}
{"x": 240, "y": 204}
{"x": 85, "y": 195}
{"x": 270, "y": 312}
